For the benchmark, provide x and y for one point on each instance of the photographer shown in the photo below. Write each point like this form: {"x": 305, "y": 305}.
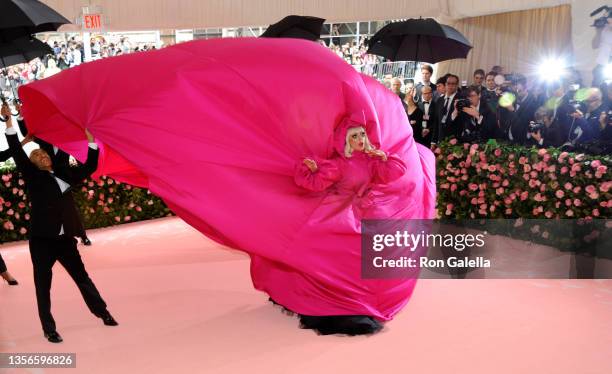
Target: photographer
{"x": 589, "y": 128}
{"x": 474, "y": 121}
{"x": 521, "y": 111}
{"x": 545, "y": 130}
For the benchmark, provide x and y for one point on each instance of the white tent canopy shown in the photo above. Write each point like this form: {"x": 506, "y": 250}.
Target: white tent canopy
{"x": 188, "y": 14}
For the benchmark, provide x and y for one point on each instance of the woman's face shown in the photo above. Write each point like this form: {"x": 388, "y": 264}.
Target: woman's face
{"x": 357, "y": 139}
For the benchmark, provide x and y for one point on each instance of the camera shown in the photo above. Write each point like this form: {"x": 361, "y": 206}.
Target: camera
{"x": 602, "y": 21}
{"x": 463, "y": 103}
{"x": 535, "y": 126}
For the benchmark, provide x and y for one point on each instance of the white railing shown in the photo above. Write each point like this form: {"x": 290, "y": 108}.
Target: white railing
{"x": 404, "y": 69}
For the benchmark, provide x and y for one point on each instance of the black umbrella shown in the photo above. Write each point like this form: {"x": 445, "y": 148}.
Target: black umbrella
{"x": 419, "y": 40}
{"x": 20, "y": 51}
{"x": 300, "y": 27}
{"x": 26, "y": 17}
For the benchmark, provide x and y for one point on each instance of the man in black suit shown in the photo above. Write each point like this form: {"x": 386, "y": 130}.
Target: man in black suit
{"x": 429, "y": 120}
{"x": 59, "y": 159}
{"x": 546, "y": 131}
{"x": 521, "y": 113}
{"x": 53, "y": 225}
{"x": 476, "y": 123}
{"x": 444, "y": 108}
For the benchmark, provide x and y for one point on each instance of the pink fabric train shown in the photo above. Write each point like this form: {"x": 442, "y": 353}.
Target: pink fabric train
{"x": 216, "y": 129}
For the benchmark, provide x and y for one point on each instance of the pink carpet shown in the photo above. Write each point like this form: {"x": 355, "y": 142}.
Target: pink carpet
{"x": 186, "y": 305}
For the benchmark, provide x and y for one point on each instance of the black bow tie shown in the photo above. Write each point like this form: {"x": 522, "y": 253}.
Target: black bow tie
{"x": 425, "y": 102}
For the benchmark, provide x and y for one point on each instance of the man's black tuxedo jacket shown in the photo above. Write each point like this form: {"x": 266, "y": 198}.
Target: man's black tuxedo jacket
{"x": 50, "y": 207}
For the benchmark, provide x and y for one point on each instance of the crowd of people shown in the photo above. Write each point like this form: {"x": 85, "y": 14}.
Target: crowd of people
{"x": 66, "y": 54}
{"x": 505, "y": 107}
{"x": 508, "y": 108}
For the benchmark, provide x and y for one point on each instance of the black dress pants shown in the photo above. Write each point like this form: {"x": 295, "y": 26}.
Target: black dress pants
{"x": 44, "y": 253}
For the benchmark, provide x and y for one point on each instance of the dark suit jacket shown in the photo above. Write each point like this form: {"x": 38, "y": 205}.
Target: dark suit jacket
{"x": 448, "y": 129}
{"x": 5, "y": 155}
{"x": 520, "y": 118}
{"x": 50, "y": 207}
{"x": 430, "y": 123}
{"x": 471, "y": 131}
{"x": 551, "y": 137}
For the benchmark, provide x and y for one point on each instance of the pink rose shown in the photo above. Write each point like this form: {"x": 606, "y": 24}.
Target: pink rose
{"x": 590, "y": 189}
{"x": 548, "y": 214}
{"x": 577, "y": 202}
{"x": 569, "y": 213}
{"x": 595, "y": 212}
{"x": 23, "y": 231}
{"x": 568, "y": 186}
{"x": 564, "y": 170}
{"x": 127, "y": 218}
{"x": 8, "y": 225}
{"x": 473, "y": 186}
{"x": 559, "y": 194}
{"x": 117, "y": 219}
{"x": 542, "y": 152}
{"x": 577, "y": 189}
{"x": 524, "y": 195}
{"x": 10, "y": 212}
{"x": 595, "y": 164}
{"x": 497, "y": 152}
{"x": 508, "y": 211}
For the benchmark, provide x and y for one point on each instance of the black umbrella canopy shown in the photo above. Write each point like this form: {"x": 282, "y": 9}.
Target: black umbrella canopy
{"x": 300, "y": 27}
{"x": 26, "y": 17}
{"x": 21, "y": 51}
{"x": 419, "y": 40}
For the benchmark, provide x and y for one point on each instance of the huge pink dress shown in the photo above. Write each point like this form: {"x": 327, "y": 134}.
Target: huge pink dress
{"x": 218, "y": 129}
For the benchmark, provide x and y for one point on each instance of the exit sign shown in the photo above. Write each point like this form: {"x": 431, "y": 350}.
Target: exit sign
{"x": 92, "y": 21}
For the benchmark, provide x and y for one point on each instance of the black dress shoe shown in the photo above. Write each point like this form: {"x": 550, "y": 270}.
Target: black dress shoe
{"x": 85, "y": 240}
{"x": 53, "y": 337}
{"x": 11, "y": 282}
{"x": 109, "y": 320}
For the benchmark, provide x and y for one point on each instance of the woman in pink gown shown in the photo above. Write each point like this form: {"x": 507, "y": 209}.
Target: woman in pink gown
{"x": 215, "y": 128}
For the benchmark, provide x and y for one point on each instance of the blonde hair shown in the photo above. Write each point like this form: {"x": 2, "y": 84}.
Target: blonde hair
{"x": 348, "y": 150}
